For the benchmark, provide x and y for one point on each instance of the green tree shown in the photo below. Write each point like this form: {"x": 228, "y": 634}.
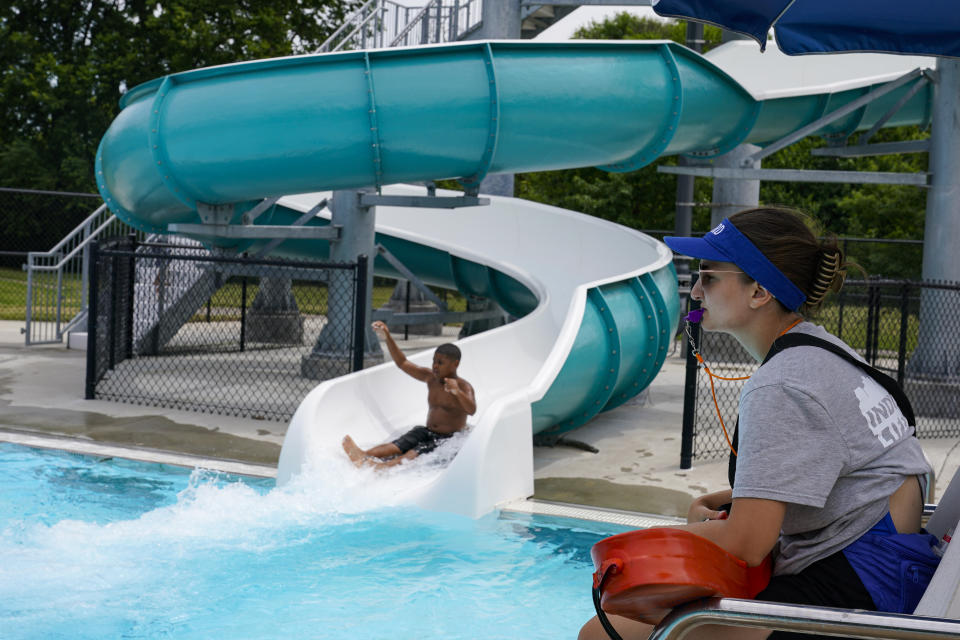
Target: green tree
{"x": 65, "y": 64}
{"x": 627, "y": 26}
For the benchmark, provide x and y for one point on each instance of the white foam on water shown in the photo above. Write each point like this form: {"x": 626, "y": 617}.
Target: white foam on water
{"x": 212, "y": 512}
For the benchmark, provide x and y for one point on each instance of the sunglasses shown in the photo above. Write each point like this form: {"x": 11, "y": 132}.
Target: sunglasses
{"x": 708, "y": 278}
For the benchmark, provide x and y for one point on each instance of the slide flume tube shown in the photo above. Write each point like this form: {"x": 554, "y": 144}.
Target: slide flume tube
{"x": 237, "y": 133}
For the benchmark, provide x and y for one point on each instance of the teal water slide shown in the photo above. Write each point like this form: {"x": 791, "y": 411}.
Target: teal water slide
{"x": 235, "y": 134}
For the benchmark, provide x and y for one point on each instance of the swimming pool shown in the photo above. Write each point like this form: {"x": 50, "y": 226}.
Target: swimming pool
{"x": 110, "y": 548}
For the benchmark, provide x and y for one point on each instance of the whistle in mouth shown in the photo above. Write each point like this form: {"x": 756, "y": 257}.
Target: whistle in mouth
{"x": 694, "y": 316}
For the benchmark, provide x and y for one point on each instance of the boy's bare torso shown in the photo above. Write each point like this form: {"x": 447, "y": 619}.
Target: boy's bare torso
{"x": 444, "y": 413}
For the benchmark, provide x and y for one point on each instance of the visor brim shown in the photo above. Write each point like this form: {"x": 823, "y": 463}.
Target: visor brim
{"x": 696, "y": 248}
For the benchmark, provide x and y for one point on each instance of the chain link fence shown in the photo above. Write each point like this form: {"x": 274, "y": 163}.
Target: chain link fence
{"x": 174, "y": 326}
{"x": 904, "y": 328}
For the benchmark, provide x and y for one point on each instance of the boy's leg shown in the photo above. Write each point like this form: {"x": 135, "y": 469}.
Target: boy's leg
{"x": 359, "y": 457}
{"x": 387, "y": 450}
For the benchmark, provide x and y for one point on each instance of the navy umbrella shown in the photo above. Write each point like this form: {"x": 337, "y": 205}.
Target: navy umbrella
{"x": 924, "y": 27}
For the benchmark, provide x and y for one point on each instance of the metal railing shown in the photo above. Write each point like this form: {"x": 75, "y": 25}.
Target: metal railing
{"x": 57, "y": 280}
{"x": 846, "y": 623}
{"x": 380, "y": 24}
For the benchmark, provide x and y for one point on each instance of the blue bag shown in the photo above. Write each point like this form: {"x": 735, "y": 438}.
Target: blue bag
{"x": 894, "y": 567}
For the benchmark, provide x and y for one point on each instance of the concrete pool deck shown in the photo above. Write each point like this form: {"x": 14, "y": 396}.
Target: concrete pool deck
{"x": 637, "y": 468}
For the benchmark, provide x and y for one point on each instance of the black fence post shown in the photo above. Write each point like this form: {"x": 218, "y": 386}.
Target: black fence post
{"x": 114, "y": 301}
{"x": 841, "y": 299}
{"x": 877, "y": 308}
{"x": 131, "y": 296}
{"x": 869, "y": 343}
{"x": 904, "y": 319}
{"x": 359, "y": 314}
{"x": 690, "y": 390}
{"x": 93, "y": 300}
{"x": 406, "y": 308}
{"x": 243, "y": 313}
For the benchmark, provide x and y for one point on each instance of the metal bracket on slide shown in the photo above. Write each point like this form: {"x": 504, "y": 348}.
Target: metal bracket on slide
{"x": 425, "y": 202}
{"x": 256, "y": 232}
{"x": 216, "y": 224}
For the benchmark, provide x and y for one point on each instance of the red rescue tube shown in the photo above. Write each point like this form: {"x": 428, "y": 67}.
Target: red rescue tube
{"x": 649, "y": 572}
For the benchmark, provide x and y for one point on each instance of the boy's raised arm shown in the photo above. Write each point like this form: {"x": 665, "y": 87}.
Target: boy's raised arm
{"x": 420, "y": 373}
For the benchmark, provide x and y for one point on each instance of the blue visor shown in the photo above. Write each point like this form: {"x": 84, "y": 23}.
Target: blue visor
{"x": 725, "y": 243}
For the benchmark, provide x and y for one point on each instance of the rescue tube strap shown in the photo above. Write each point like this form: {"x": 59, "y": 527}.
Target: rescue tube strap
{"x": 601, "y": 614}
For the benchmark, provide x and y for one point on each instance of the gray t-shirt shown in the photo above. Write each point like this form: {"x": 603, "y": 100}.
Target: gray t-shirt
{"x": 820, "y": 435}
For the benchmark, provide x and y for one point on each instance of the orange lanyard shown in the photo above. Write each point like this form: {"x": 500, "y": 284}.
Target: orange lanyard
{"x": 712, "y": 375}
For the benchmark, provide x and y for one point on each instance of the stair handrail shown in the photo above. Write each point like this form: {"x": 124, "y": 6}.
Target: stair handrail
{"x": 373, "y": 11}
{"x": 453, "y": 11}
{"x": 416, "y": 19}
{"x": 325, "y": 47}
{"x": 54, "y": 252}
{"x": 75, "y": 243}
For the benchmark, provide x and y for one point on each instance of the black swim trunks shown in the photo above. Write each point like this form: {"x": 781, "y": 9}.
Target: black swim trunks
{"x": 830, "y": 582}
{"x": 420, "y": 438}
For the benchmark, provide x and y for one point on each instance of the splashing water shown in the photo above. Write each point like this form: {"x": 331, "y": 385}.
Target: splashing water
{"x": 332, "y": 554}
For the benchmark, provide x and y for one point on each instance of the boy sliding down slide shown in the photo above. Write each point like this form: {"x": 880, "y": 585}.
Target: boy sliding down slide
{"x": 450, "y": 399}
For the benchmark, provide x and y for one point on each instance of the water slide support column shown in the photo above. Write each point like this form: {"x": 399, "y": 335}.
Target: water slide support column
{"x": 683, "y": 220}
{"x": 357, "y": 230}
{"x": 729, "y": 197}
{"x": 733, "y": 195}
{"x": 273, "y": 316}
{"x": 941, "y": 261}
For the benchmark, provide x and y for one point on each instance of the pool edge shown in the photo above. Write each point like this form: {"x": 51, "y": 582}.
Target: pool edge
{"x": 531, "y": 506}
{"x": 142, "y": 454}
{"x": 593, "y": 514}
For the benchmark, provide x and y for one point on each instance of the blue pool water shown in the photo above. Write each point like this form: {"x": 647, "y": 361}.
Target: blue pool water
{"x": 93, "y": 548}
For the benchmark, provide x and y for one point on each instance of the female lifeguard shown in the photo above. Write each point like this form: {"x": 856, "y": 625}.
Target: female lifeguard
{"x": 828, "y": 477}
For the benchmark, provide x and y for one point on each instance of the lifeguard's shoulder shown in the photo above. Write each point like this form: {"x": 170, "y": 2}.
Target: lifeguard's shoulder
{"x": 807, "y": 366}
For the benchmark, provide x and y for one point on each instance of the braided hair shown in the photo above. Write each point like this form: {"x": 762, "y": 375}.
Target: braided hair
{"x": 792, "y": 241}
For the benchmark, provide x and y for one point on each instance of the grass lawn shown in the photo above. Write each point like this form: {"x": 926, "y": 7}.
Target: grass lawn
{"x": 225, "y": 303}
{"x": 13, "y": 295}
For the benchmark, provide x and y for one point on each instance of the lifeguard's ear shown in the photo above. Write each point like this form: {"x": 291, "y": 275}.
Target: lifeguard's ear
{"x": 760, "y": 296}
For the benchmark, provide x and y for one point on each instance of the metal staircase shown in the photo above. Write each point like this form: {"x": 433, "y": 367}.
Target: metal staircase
{"x": 58, "y": 284}
{"x": 379, "y": 24}
{"x": 168, "y": 293}
{"x": 58, "y": 279}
